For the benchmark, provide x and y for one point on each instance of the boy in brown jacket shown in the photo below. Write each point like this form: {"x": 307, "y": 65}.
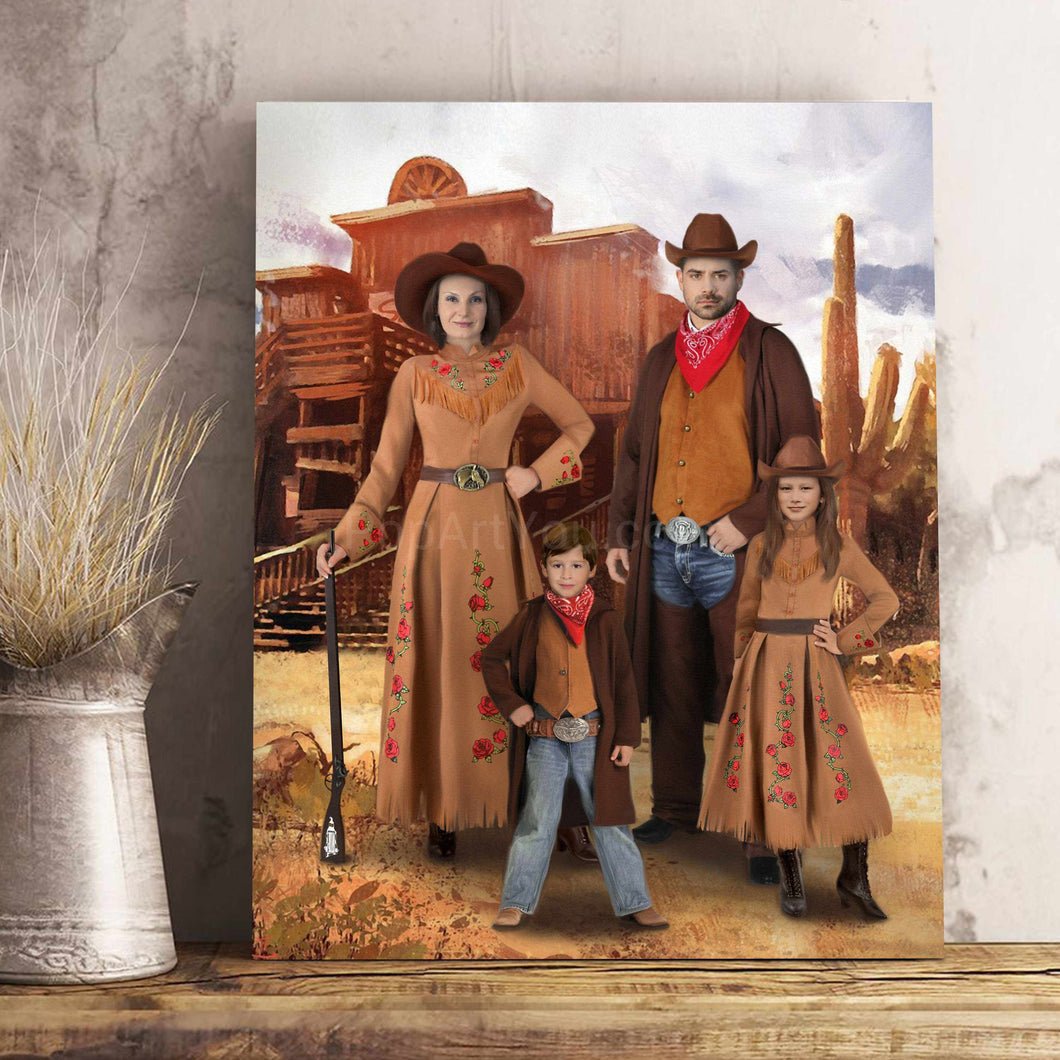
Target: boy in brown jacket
{"x": 561, "y": 673}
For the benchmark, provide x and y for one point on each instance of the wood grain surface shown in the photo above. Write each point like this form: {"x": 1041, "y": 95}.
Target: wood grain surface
{"x": 978, "y": 1001}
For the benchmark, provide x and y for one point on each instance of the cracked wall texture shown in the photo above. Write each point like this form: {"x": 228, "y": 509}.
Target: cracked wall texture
{"x": 129, "y": 124}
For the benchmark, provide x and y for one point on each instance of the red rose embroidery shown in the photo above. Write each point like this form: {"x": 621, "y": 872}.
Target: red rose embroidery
{"x": 362, "y": 525}
{"x": 486, "y": 707}
{"x": 445, "y": 369}
{"x": 783, "y": 685}
{"x": 869, "y": 643}
{"x": 408, "y": 606}
{"x": 786, "y": 723}
{"x": 734, "y": 718}
{"x": 575, "y": 472}
{"x": 434, "y": 363}
{"x": 788, "y": 740}
{"x": 390, "y": 655}
{"x": 487, "y": 583}
{"x": 833, "y": 751}
{"x": 822, "y": 714}
{"x": 739, "y": 740}
{"x": 733, "y": 782}
{"x": 398, "y": 684}
{"x": 771, "y": 750}
{"x": 789, "y": 798}
{"x": 564, "y": 459}
{"x": 789, "y": 699}
{"x": 840, "y": 778}
{"x": 377, "y": 534}
{"x": 478, "y": 568}
{"x": 390, "y": 748}
{"x": 841, "y": 794}
{"x": 476, "y": 603}
{"x": 735, "y": 767}
{"x": 500, "y": 736}
{"x": 841, "y": 730}
{"x": 403, "y": 629}
{"x": 784, "y": 769}
{"x": 777, "y": 790}
{"x": 565, "y": 474}
{"x": 481, "y": 748}
{"x": 483, "y": 638}
{"x": 476, "y": 662}
{"x": 391, "y": 722}
{"x": 496, "y": 362}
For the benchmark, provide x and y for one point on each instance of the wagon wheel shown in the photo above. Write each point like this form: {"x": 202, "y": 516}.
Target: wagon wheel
{"x": 426, "y": 178}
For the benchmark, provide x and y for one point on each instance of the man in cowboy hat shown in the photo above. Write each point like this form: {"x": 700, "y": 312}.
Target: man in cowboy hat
{"x": 722, "y": 392}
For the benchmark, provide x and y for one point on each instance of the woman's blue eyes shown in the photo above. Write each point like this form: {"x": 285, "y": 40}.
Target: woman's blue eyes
{"x": 453, "y": 298}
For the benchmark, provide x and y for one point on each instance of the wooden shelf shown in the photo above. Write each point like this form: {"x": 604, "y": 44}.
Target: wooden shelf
{"x": 978, "y": 1001}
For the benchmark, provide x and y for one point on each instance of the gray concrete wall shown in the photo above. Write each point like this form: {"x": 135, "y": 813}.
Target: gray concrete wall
{"x": 131, "y": 119}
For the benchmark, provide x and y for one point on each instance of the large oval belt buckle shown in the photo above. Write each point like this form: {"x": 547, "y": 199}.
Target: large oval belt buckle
{"x": 471, "y": 477}
{"x": 681, "y": 530}
{"x": 570, "y": 730}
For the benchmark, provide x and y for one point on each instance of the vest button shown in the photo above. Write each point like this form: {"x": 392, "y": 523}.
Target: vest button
{"x": 680, "y": 463}
{"x": 688, "y": 427}
{"x": 563, "y": 673}
{"x": 691, "y": 393}
{"x": 680, "y": 500}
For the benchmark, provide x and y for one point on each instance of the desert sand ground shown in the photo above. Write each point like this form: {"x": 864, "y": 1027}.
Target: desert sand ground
{"x": 392, "y": 901}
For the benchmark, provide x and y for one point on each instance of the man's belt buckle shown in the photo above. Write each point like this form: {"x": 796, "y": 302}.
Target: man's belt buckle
{"x": 471, "y": 477}
{"x": 570, "y": 730}
{"x": 681, "y": 530}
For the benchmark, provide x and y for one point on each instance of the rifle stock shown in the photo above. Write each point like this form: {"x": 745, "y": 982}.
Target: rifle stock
{"x": 333, "y": 831}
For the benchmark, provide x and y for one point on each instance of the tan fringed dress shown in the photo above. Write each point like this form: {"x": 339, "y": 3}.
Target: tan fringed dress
{"x": 464, "y": 565}
{"x": 791, "y": 766}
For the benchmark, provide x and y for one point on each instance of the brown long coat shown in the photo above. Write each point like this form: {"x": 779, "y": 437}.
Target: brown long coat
{"x": 779, "y": 404}
{"x": 509, "y": 665}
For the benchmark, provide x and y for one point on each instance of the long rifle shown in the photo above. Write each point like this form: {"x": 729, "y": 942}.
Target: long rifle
{"x": 333, "y": 834}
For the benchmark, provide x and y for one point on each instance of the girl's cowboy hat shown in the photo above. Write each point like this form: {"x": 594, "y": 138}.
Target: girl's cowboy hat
{"x": 465, "y": 259}
{"x": 799, "y": 456}
{"x": 709, "y": 236}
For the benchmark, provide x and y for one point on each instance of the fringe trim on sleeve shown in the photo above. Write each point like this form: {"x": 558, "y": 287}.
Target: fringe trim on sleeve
{"x": 433, "y": 390}
{"x": 793, "y": 573}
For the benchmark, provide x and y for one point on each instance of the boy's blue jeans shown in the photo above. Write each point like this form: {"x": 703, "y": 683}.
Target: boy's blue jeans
{"x": 548, "y": 764}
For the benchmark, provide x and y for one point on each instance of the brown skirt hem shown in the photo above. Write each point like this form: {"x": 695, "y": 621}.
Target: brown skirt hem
{"x": 800, "y": 839}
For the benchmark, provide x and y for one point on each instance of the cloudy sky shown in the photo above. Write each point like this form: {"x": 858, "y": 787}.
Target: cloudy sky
{"x": 780, "y": 173}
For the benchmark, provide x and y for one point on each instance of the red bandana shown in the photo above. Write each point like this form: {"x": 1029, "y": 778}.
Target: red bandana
{"x": 702, "y": 354}
{"x": 573, "y": 612}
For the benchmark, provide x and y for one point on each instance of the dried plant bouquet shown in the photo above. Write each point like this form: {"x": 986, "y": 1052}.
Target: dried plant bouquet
{"x": 92, "y": 458}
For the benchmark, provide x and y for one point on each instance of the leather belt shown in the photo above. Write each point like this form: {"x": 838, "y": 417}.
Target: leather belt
{"x": 684, "y": 531}
{"x": 468, "y": 477}
{"x": 795, "y": 627}
{"x": 565, "y": 729}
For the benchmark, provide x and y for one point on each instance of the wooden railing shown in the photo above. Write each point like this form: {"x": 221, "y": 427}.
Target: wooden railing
{"x": 269, "y": 365}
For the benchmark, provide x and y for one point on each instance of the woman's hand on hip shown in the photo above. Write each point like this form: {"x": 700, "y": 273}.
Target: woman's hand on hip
{"x": 521, "y": 480}
{"x": 326, "y": 565}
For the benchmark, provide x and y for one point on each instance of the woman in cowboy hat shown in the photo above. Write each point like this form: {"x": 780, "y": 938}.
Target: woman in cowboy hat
{"x": 791, "y": 767}
{"x": 464, "y": 561}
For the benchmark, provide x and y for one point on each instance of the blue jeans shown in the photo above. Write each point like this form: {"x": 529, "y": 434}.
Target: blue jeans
{"x": 548, "y": 764}
{"x": 682, "y": 575}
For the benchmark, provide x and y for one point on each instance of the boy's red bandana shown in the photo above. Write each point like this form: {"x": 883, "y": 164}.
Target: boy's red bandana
{"x": 702, "y": 354}
{"x": 573, "y": 612}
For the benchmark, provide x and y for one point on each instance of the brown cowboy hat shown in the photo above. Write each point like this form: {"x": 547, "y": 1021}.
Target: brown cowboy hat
{"x": 800, "y": 455}
{"x": 465, "y": 259}
{"x": 709, "y": 236}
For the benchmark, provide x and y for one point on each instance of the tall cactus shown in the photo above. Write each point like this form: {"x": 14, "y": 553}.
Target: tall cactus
{"x": 857, "y": 430}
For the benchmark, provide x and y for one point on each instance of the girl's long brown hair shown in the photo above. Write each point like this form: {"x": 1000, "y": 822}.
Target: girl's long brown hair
{"x": 827, "y": 529}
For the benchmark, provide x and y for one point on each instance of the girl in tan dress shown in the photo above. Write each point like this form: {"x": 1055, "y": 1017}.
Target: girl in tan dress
{"x": 464, "y": 561}
{"x": 791, "y": 767}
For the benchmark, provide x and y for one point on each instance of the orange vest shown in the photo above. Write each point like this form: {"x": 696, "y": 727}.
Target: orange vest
{"x": 704, "y": 465}
{"x": 564, "y": 681}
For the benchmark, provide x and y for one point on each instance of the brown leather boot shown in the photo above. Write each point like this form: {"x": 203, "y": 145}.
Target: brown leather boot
{"x": 853, "y": 881}
{"x": 440, "y": 842}
{"x": 579, "y": 843}
{"x": 792, "y": 893}
{"x": 508, "y": 917}
{"x": 649, "y": 918}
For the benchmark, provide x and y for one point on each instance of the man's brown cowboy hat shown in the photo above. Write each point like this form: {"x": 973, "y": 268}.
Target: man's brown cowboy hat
{"x": 799, "y": 456}
{"x": 709, "y": 236}
{"x": 465, "y": 259}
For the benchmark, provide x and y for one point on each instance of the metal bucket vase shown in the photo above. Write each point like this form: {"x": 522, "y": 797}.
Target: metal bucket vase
{"x": 82, "y": 891}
